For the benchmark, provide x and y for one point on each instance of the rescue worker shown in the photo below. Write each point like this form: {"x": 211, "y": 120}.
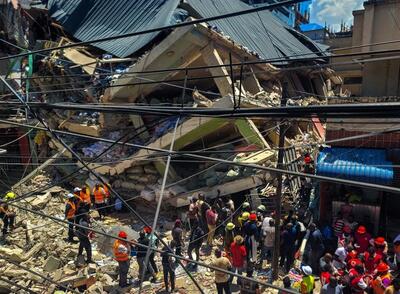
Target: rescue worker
{"x": 83, "y": 236}
{"x": 85, "y": 196}
{"x": 381, "y": 246}
{"x": 243, "y": 219}
{"x": 99, "y": 199}
{"x": 70, "y": 211}
{"x": 382, "y": 280}
{"x": 229, "y": 236}
{"x": 8, "y": 218}
{"x": 153, "y": 242}
{"x": 77, "y": 194}
{"x": 307, "y": 284}
{"x": 122, "y": 252}
{"x": 246, "y": 207}
{"x": 251, "y": 236}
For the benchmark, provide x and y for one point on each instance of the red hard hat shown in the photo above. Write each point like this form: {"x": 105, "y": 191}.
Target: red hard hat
{"x": 122, "y": 234}
{"x": 352, "y": 254}
{"x": 361, "y": 230}
{"x": 382, "y": 267}
{"x": 354, "y": 262}
{"x": 380, "y": 241}
{"x": 147, "y": 229}
{"x": 253, "y": 217}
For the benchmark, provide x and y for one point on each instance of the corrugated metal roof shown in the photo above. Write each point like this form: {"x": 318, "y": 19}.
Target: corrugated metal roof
{"x": 260, "y": 32}
{"x": 94, "y": 19}
{"x": 365, "y": 165}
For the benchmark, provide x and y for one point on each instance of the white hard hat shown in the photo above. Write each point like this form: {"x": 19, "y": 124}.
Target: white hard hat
{"x": 306, "y": 270}
{"x": 70, "y": 195}
{"x": 77, "y": 189}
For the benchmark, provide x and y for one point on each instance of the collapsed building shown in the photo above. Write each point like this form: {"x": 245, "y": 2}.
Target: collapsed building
{"x": 247, "y": 61}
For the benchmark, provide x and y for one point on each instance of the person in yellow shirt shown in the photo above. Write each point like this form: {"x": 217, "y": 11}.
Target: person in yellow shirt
{"x": 222, "y": 279}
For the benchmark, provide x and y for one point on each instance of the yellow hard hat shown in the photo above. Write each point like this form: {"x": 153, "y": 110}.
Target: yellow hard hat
{"x": 245, "y": 215}
{"x": 230, "y": 226}
{"x": 10, "y": 195}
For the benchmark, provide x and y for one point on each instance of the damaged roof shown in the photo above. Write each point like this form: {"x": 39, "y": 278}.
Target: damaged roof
{"x": 93, "y": 19}
{"x": 260, "y": 32}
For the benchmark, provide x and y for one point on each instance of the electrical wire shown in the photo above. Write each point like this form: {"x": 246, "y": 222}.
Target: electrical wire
{"x": 100, "y": 179}
{"x": 274, "y": 170}
{"x": 356, "y": 110}
{"x": 167, "y": 82}
{"x": 164, "y": 28}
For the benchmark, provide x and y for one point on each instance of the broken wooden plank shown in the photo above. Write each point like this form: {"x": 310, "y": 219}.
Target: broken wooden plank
{"x": 211, "y": 57}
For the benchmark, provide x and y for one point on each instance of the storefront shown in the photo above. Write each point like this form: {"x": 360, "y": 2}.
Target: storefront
{"x": 370, "y": 207}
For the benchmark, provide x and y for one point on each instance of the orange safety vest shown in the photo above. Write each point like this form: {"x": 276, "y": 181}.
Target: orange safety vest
{"x": 85, "y": 195}
{"x": 121, "y": 256}
{"x": 71, "y": 212}
{"x": 376, "y": 285}
{"x": 106, "y": 191}
{"x": 98, "y": 195}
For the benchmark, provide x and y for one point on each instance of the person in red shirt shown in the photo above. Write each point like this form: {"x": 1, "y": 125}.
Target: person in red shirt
{"x": 381, "y": 246}
{"x": 238, "y": 254}
{"x": 357, "y": 282}
{"x": 326, "y": 274}
{"x": 362, "y": 239}
{"x": 372, "y": 259}
{"x": 211, "y": 218}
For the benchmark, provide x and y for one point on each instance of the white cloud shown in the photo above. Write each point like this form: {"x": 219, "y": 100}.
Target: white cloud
{"x": 333, "y": 12}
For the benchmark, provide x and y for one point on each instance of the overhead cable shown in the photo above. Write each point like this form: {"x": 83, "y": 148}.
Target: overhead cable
{"x": 255, "y": 166}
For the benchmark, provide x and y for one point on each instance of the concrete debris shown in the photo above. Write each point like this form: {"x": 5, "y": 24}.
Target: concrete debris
{"x": 52, "y": 264}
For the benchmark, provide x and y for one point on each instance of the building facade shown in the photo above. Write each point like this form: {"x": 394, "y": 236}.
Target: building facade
{"x": 378, "y": 22}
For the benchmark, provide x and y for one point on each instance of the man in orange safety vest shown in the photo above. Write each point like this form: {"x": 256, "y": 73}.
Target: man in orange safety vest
{"x": 122, "y": 252}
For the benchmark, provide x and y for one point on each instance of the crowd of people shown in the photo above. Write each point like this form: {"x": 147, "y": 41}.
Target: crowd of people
{"x": 342, "y": 256}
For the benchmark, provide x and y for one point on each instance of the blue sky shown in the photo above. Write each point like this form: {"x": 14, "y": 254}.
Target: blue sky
{"x": 333, "y": 12}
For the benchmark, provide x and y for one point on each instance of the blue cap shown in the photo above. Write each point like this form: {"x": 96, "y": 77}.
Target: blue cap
{"x": 397, "y": 239}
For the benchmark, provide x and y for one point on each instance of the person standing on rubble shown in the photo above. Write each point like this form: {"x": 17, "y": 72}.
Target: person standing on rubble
{"x": 177, "y": 237}
{"x": 192, "y": 213}
{"x": 203, "y": 207}
{"x": 8, "y": 218}
{"x": 211, "y": 216}
{"x": 85, "y": 196}
{"x": 168, "y": 268}
{"x": 195, "y": 242}
{"x": 70, "y": 211}
{"x": 222, "y": 279}
{"x": 141, "y": 256}
{"x": 229, "y": 236}
{"x": 153, "y": 242}
{"x": 251, "y": 233}
{"x": 83, "y": 235}
{"x": 122, "y": 252}
{"x": 99, "y": 199}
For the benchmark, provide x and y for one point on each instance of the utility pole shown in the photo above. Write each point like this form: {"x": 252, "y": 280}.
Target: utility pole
{"x": 275, "y": 266}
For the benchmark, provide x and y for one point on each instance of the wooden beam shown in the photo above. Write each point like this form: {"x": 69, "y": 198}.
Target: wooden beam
{"x": 212, "y": 57}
